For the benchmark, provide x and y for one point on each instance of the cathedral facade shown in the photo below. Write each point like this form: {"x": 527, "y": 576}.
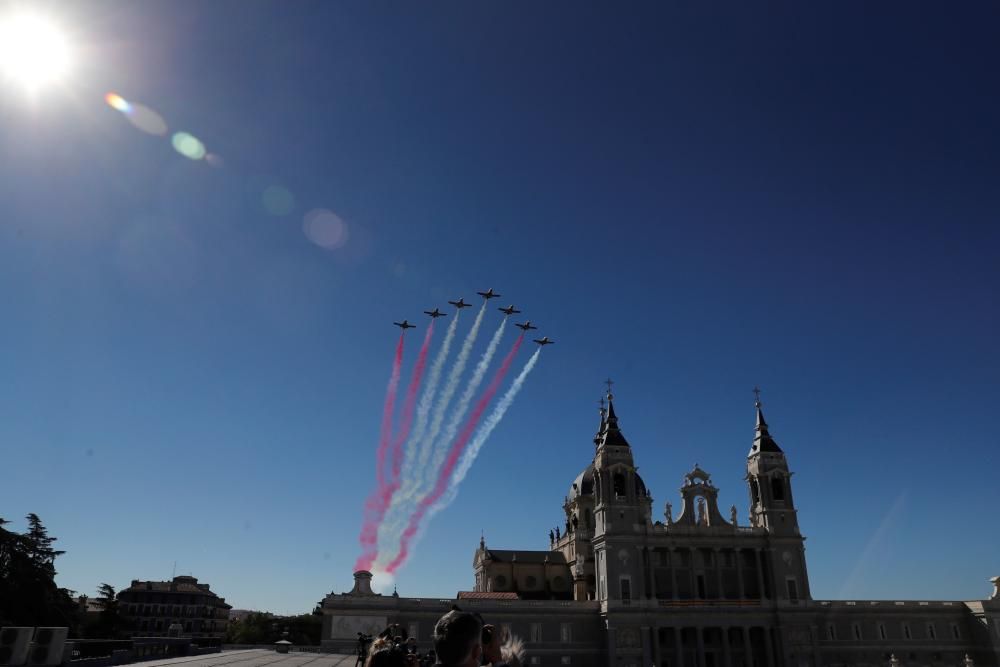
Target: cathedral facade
{"x": 622, "y": 588}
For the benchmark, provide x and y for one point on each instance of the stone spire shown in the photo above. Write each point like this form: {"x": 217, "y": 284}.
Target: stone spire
{"x": 762, "y": 440}
{"x": 611, "y": 435}
{"x": 600, "y": 429}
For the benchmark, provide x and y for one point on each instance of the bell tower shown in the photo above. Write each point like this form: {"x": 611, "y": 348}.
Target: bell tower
{"x": 772, "y": 507}
{"x": 622, "y": 514}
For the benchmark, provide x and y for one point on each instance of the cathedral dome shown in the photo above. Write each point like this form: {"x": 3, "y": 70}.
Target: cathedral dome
{"x": 583, "y": 485}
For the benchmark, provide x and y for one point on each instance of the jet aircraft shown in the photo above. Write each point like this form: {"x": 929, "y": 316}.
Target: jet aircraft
{"x": 544, "y": 340}
{"x": 460, "y": 304}
{"x": 509, "y": 310}
{"x": 435, "y": 313}
{"x": 488, "y": 294}
{"x": 404, "y": 325}
{"x": 526, "y": 326}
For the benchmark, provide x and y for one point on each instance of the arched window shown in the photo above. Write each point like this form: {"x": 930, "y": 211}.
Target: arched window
{"x": 619, "y": 484}
{"x": 777, "y": 488}
{"x": 755, "y": 491}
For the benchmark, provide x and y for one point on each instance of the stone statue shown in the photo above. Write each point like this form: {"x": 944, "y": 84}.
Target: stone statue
{"x": 557, "y": 533}
{"x": 702, "y": 514}
{"x": 996, "y": 588}
{"x": 552, "y": 537}
{"x": 732, "y": 515}
{"x": 668, "y": 512}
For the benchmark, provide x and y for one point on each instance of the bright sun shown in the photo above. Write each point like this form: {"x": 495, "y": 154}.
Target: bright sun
{"x": 33, "y": 52}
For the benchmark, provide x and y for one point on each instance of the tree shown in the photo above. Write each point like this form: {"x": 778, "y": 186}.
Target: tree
{"x": 262, "y": 628}
{"x": 39, "y": 545}
{"x": 110, "y": 621}
{"x": 28, "y": 591}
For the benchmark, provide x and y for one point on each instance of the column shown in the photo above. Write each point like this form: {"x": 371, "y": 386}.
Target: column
{"x": 747, "y": 651}
{"x": 768, "y": 649}
{"x": 760, "y": 573}
{"x": 678, "y": 649}
{"x": 673, "y": 572}
{"x": 720, "y": 593}
{"x": 742, "y": 593}
{"x": 693, "y": 577}
{"x": 727, "y": 653}
{"x": 700, "y": 636}
{"x": 657, "y": 650}
{"x": 651, "y": 581}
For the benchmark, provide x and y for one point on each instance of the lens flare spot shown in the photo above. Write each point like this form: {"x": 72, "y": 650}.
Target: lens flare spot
{"x": 147, "y": 120}
{"x": 215, "y": 160}
{"x": 278, "y": 200}
{"x": 188, "y": 145}
{"x": 117, "y": 102}
{"x": 325, "y": 228}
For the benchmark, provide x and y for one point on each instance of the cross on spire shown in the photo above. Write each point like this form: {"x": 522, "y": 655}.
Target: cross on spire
{"x": 756, "y": 393}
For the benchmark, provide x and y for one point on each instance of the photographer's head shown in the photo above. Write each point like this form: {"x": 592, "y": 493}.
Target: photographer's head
{"x": 384, "y": 654}
{"x": 457, "y": 638}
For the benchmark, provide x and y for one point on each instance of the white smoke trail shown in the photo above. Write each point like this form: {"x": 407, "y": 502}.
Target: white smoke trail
{"x": 417, "y": 476}
{"x": 458, "y": 414}
{"x": 482, "y": 435}
{"x": 427, "y": 399}
{"x": 449, "y": 390}
{"x": 423, "y": 413}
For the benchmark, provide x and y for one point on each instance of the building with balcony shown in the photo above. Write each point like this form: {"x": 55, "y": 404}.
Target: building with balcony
{"x": 697, "y": 588}
{"x": 152, "y": 607}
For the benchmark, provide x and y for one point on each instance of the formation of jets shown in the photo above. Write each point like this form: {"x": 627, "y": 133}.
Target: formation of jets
{"x": 487, "y": 295}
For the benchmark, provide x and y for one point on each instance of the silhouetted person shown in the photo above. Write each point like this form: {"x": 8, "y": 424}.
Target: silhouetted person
{"x": 383, "y": 654}
{"x": 457, "y": 639}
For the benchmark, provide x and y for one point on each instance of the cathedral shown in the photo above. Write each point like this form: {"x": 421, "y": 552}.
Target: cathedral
{"x": 619, "y": 587}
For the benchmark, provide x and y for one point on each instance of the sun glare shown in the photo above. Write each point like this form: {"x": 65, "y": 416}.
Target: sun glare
{"x": 33, "y": 51}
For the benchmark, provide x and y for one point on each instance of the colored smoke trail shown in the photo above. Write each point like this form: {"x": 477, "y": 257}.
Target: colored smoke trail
{"x": 441, "y": 447}
{"x": 427, "y": 399}
{"x": 483, "y": 434}
{"x": 429, "y": 473}
{"x": 369, "y": 529}
{"x": 453, "y": 454}
{"x": 454, "y": 376}
{"x": 407, "y": 416}
{"x": 423, "y": 413}
{"x": 422, "y": 477}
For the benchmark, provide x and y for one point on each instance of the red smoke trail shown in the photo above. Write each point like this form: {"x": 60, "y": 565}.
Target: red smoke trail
{"x": 407, "y": 419}
{"x": 369, "y": 529}
{"x": 453, "y": 454}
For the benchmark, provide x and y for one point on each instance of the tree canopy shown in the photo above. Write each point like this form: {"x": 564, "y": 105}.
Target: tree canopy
{"x": 29, "y": 595}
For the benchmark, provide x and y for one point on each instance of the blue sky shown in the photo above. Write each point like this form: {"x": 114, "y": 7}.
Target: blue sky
{"x": 692, "y": 200}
